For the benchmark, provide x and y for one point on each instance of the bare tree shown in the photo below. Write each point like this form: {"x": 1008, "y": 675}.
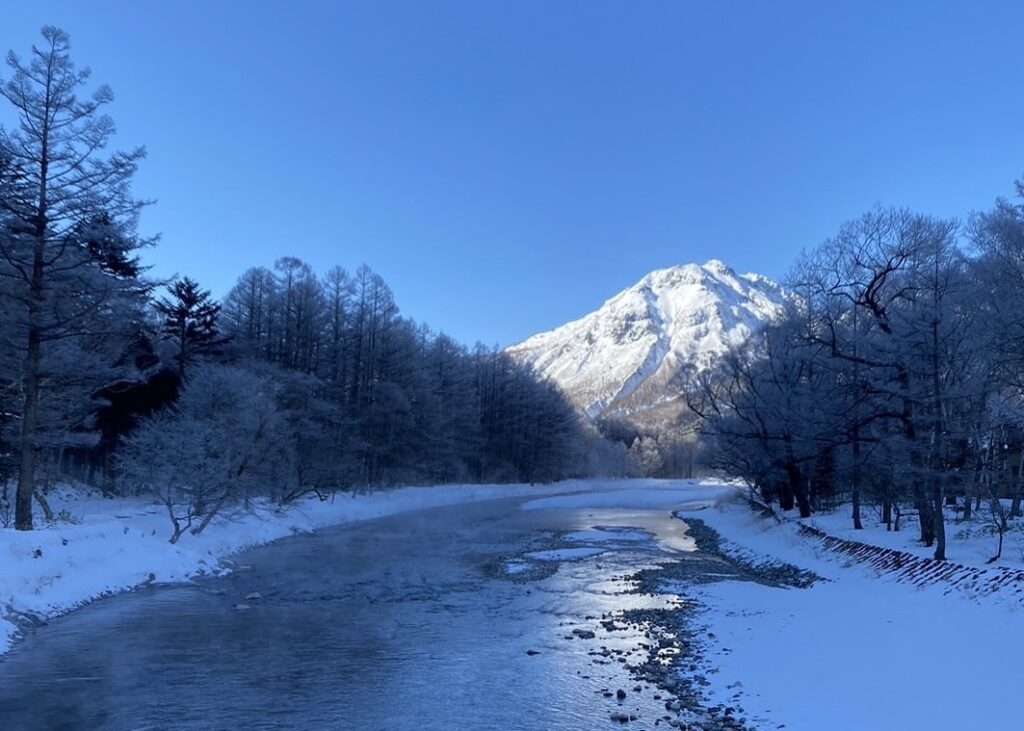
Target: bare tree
{"x": 770, "y": 409}
{"x": 887, "y": 293}
{"x": 224, "y": 439}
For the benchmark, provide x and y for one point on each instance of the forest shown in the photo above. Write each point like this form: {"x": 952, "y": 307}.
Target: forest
{"x": 893, "y": 382}
{"x": 298, "y": 382}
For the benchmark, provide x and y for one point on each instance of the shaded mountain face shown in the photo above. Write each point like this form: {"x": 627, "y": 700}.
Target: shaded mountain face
{"x": 626, "y": 358}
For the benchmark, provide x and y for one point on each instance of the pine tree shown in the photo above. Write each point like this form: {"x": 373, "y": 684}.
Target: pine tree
{"x": 190, "y": 322}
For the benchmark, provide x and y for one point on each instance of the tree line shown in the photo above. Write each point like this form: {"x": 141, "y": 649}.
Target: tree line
{"x": 893, "y": 382}
{"x": 295, "y": 383}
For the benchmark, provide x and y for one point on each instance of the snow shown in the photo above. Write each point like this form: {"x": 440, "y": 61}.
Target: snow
{"x": 116, "y": 545}
{"x": 565, "y": 554}
{"x": 971, "y": 543}
{"x": 857, "y": 651}
{"x": 622, "y": 353}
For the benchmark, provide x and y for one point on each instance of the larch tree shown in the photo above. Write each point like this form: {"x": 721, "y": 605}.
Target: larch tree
{"x": 248, "y": 311}
{"x": 380, "y": 399}
{"x": 70, "y": 220}
{"x": 337, "y": 288}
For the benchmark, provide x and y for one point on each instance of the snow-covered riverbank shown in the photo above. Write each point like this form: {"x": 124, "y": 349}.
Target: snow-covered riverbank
{"x": 858, "y": 650}
{"x": 101, "y": 546}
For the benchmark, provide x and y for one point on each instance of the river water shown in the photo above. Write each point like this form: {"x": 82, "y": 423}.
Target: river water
{"x": 408, "y": 622}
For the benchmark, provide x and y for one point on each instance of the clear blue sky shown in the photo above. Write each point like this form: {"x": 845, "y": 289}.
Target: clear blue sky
{"x": 507, "y": 166}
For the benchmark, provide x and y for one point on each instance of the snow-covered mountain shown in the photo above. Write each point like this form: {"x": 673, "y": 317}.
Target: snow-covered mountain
{"x": 626, "y": 356}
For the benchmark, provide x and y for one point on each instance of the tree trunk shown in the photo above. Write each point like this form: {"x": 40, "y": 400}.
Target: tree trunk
{"x": 179, "y": 531}
{"x": 30, "y": 409}
{"x": 1018, "y": 489}
{"x": 44, "y": 503}
{"x": 999, "y": 551}
{"x": 926, "y": 518}
{"x": 804, "y": 503}
{"x": 785, "y": 496}
{"x": 798, "y": 486}
{"x": 33, "y": 355}
{"x": 210, "y": 514}
{"x": 939, "y": 529}
{"x": 857, "y": 525}
{"x": 178, "y": 528}
{"x": 26, "y": 473}
{"x": 935, "y": 462}
{"x": 855, "y": 486}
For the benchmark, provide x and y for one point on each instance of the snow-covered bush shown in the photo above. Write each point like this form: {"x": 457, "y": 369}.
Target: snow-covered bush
{"x": 224, "y": 441}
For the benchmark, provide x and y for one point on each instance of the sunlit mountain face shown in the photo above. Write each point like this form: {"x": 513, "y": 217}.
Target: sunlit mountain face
{"x": 626, "y": 357}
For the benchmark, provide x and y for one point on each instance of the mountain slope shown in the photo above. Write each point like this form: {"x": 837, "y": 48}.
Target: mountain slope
{"x": 626, "y": 356}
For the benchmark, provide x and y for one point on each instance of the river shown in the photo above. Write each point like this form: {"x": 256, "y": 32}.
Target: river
{"x": 453, "y": 618}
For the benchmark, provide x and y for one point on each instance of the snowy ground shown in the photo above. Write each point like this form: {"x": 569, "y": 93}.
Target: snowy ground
{"x": 102, "y": 546}
{"x": 971, "y": 543}
{"x": 857, "y": 651}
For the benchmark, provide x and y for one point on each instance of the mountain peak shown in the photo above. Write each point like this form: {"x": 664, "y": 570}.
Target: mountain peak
{"x": 711, "y": 270}
{"x": 627, "y": 356}
{"x": 717, "y": 265}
